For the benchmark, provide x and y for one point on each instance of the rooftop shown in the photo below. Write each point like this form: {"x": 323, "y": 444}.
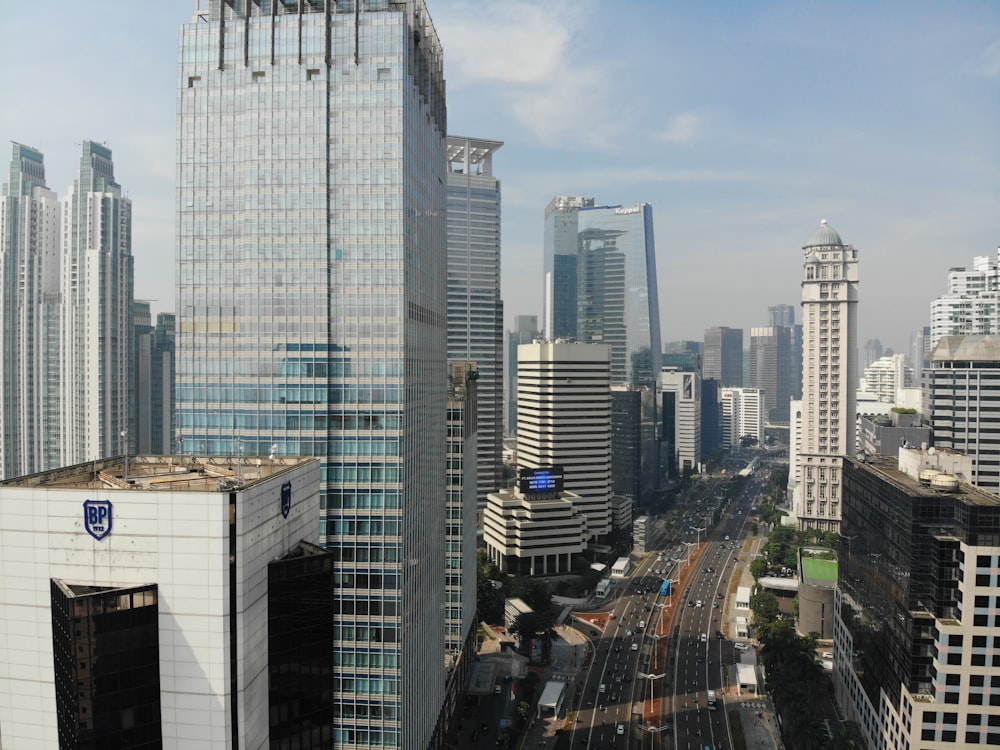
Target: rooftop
{"x": 825, "y": 236}
{"x": 888, "y": 466}
{"x": 161, "y": 473}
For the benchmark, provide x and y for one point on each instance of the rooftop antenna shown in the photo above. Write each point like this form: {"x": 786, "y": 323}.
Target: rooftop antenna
{"x": 124, "y": 435}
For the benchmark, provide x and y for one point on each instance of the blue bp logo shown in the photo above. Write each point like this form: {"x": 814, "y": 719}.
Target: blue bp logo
{"x": 97, "y": 518}
{"x": 286, "y": 499}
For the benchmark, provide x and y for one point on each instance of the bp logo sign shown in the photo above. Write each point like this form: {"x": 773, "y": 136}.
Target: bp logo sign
{"x": 97, "y": 518}
{"x": 286, "y": 499}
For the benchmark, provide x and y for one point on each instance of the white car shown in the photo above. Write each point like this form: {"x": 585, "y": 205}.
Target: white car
{"x": 621, "y": 729}
{"x": 741, "y": 646}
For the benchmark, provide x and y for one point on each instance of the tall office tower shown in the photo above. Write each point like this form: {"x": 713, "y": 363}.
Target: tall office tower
{"x": 742, "y": 416}
{"x": 772, "y": 369}
{"x": 711, "y": 418}
{"x": 886, "y": 375}
{"x": 96, "y": 318}
{"x": 475, "y": 311}
{"x": 564, "y": 419}
{"x": 312, "y": 269}
{"x": 680, "y": 399}
{"x": 972, "y": 302}
{"x": 961, "y": 402}
{"x": 559, "y": 287}
{"x": 29, "y": 318}
{"x": 151, "y": 402}
{"x": 915, "y": 662}
{"x": 872, "y": 352}
{"x": 829, "y": 376}
{"x": 920, "y": 347}
{"x": 626, "y": 442}
{"x": 460, "y": 530}
{"x": 723, "y": 356}
{"x": 784, "y": 315}
{"x": 525, "y": 332}
{"x": 600, "y": 282}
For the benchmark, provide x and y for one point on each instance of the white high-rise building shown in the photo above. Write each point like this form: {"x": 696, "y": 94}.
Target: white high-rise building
{"x": 742, "y": 415}
{"x": 886, "y": 375}
{"x": 312, "y": 318}
{"x": 96, "y": 314}
{"x": 30, "y": 216}
{"x": 475, "y": 311}
{"x": 972, "y": 302}
{"x": 829, "y": 376}
{"x": 680, "y": 400}
{"x": 564, "y": 419}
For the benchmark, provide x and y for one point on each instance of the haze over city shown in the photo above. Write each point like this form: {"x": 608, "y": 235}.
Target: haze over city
{"x": 743, "y": 125}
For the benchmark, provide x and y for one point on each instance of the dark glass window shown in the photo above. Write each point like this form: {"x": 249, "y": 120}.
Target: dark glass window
{"x": 953, "y": 679}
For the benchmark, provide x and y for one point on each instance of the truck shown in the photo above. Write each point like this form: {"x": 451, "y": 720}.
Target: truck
{"x": 712, "y": 701}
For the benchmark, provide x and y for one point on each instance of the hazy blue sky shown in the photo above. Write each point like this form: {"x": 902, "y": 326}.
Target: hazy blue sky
{"x": 743, "y": 123}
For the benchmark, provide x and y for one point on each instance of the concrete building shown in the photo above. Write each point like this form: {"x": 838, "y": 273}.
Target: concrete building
{"x": 817, "y": 582}
{"x": 536, "y": 528}
{"x": 475, "y": 311}
{"x": 784, "y": 316}
{"x": 884, "y": 434}
{"x": 641, "y": 530}
{"x": 886, "y": 375}
{"x": 96, "y": 312}
{"x": 621, "y": 513}
{"x": 600, "y": 282}
{"x": 914, "y": 658}
{"x": 742, "y": 416}
{"x": 680, "y": 398}
{"x": 772, "y": 369}
{"x": 829, "y": 376}
{"x": 313, "y": 318}
{"x": 564, "y": 419}
{"x": 962, "y": 402}
{"x": 723, "y": 356}
{"x": 626, "y": 442}
{"x": 525, "y": 332}
{"x": 972, "y": 303}
{"x": 155, "y": 602}
{"x": 30, "y": 251}
{"x": 151, "y": 402}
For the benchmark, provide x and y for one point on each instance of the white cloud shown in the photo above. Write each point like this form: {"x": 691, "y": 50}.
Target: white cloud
{"x": 682, "y": 128}
{"x": 987, "y": 63}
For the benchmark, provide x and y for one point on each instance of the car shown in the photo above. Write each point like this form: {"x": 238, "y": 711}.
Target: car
{"x": 718, "y": 634}
{"x": 634, "y": 646}
{"x": 727, "y": 537}
{"x": 741, "y": 646}
{"x": 715, "y": 605}
{"x": 704, "y": 638}
{"x": 827, "y": 654}
{"x": 603, "y": 688}
{"x": 485, "y": 728}
{"x": 701, "y": 659}
{"x": 621, "y": 729}
{"x": 611, "y": 616}
{"x": 618, "y": 649}
{"x": 690, "y": 603}
{"x": 699, "y": 604}
{"x": 496, "y": 689}
{"x": 720, "y": 595}
{"x": 629, "y": 633}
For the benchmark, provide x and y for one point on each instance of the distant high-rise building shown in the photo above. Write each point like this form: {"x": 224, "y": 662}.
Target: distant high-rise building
{"x": 29, "y": 318}
{"x": 742, "y": 416}
{"x": 784, "y": 316}
{"x": 920, "y": 347}
{"x": 772, "y": 369}
{"x": 626, "y": 441}
{"x": 962, "y": 402}
{"x": 829, "y": 376}
{"x": 96, "y": 314}
{"x": 781, "y": 315}
{"x": 475, "y": 311}
{"x": 564, "y": 419}
{"x": 872, "y": 352}
{"x": 312, "y": 319}
{"x": 914, "y": 615}
{"x": 600, "y": 282}
{"x": 723, "y": 357}
{"x": 886, "y": 375}
{"x": 151, "y": 403}
{"x": 680, "y": 398}
{"x": 711, "y": 418}
{"x": 972, "y": 302}
{"x": 525, "y": 332}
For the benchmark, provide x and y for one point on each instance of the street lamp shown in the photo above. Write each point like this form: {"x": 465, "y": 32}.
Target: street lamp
{"x": 649, "y": 678}
{"x": 689, "y": 545}
{"x": 699, "y": 530}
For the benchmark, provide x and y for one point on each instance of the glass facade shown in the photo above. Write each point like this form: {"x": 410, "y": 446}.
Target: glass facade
{"x": 311, "y": 272}
{"x": 601, "y": 286}
{"x": 475, "y": 311}
{"x": 105, "y": 646}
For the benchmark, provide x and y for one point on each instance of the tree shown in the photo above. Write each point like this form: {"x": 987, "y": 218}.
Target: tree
{"x": 532, "y": 591}
{"x": 758, "y": 568}
{"x": 765, "y": 606}
{"x": 529, "y": 626}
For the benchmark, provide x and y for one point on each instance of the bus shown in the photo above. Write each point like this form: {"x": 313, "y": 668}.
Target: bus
{"x": 665, "y": 589}
{"x": 711, "y": 700}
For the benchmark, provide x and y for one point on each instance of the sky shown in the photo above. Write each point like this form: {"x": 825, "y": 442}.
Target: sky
{"x": 743, "y": 123}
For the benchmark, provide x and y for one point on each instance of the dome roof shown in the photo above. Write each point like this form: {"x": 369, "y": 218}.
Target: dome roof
{"x": 825, "y": 236}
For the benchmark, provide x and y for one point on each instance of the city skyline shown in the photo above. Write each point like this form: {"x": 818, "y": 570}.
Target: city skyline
{"x": 760, "y": 122}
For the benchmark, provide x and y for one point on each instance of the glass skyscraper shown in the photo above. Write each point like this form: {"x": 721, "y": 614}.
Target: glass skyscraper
{"x": 600, "y": 283}
{"x": 311, "y": 264}
{"x": 475, "y": 311}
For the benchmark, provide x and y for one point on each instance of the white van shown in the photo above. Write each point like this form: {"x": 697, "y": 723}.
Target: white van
{"x": 642, "y": 624}
{"x": 699, "y": 603}
{"x": 604, "y": 688}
